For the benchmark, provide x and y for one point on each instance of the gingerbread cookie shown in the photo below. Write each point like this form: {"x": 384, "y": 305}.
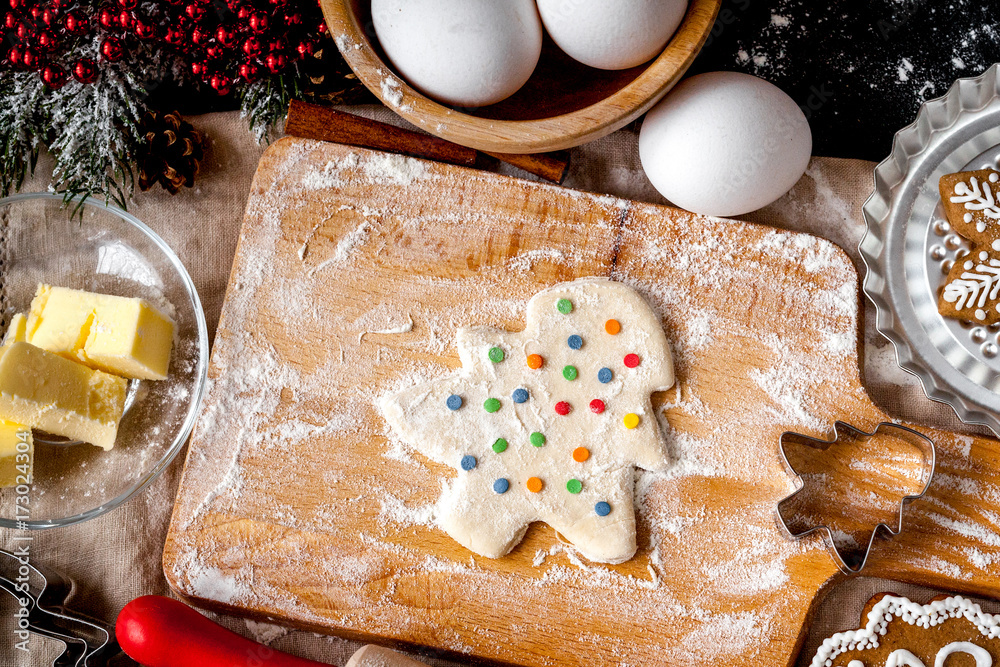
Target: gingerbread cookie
{"x": 901, "y": 633}
{"x": 546, "y": 424}
{"x": 972, "y": 205}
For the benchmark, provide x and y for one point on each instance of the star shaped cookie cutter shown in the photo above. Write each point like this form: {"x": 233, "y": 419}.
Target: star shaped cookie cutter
{"x": 841, "y": 429}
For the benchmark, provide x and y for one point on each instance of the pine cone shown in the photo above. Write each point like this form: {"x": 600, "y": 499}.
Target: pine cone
{"x": 170, "y": 152}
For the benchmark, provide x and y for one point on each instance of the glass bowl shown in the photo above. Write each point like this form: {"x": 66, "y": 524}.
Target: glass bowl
{"x": 101, "y": 249}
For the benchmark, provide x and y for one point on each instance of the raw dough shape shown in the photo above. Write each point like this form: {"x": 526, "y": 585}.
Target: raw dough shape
{"x": 492, "y": 522}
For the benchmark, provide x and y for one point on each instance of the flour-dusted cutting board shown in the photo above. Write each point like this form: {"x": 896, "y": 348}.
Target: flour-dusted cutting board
{"x": 353, "y": 272}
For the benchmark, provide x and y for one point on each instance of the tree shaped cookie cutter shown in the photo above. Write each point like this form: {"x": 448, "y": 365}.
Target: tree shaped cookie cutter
{"x": 841, "y": 429}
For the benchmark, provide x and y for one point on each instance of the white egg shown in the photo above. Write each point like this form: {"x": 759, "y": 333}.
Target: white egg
{"x": 612, "y": 34}
{"x": 461, "y": 52}
{"x": 725, "y": 143}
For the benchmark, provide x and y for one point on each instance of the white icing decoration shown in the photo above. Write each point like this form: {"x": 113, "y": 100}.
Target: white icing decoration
{"x": 983, "y": 256}
{"x": 996, "y": 244}
{"x": 855, "y": 663}
{"x": 982, "y": 656}
{"x": 903, "y": 658}
{"x": 976, "y": 196}
{"x": 967, "y": 217}
{"x": 994, "y": 177}
{"x": 980, "y": 314}
{"x": 972, "y": 289}
{"x": 491, "y": 523}
{"x": 968, "y": 266}
{"x": 892, "y": 607}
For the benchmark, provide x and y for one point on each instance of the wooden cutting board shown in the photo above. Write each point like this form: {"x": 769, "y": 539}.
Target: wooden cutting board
{"x": 354, "y": 270}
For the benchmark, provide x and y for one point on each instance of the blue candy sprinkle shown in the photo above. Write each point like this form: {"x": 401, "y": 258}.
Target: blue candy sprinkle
{"x": 602, "y": 508}
{"x": 501, "y": 485}
{"x": 520, "y": 395}
{"x": 605, "y": 375}
{"x": 454, "y": 402}
{"x": 575, "y": 342}
{"x": 469, "y": 462}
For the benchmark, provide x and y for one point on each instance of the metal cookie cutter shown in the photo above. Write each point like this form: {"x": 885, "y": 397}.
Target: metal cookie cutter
{"x": 854, "y": 565}
{"x": 89, "y": 642}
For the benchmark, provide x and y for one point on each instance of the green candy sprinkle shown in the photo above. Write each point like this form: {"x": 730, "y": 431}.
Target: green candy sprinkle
{"x": 565, "y": 306}
{"x": 570, "y": 372}
{"x": 574, "y": 486}
{"x": 496, "y": 354}
{"x": 537, "y": 439}
{"x": 500, "y": 446}
{"x": 491, "y": 404}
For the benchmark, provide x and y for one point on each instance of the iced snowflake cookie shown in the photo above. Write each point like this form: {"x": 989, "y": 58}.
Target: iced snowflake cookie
{"x": 901, "y": 633}
{"x": 972, "y": 290}
{"x": 546, "y": 424}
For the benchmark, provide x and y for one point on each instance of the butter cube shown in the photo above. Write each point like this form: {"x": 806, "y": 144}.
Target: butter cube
{"x": 16, "y": 332}
{"x": 17, "y": 454}
{"x": 60, "y": 396}
{"x": 115, "y": 334}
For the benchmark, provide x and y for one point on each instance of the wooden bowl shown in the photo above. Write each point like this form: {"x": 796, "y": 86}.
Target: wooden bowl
{"x": 564, "y": 104}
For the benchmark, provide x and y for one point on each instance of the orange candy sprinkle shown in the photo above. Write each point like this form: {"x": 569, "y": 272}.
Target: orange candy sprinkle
{"x": 612, "y": 327}
{"x": 535, "y": 361}
{"x": 535, "y": 485}
{"x": 581, "y": 454}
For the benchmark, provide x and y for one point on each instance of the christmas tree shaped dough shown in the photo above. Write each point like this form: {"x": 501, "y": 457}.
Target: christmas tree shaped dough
{"x": 546, "y": 424}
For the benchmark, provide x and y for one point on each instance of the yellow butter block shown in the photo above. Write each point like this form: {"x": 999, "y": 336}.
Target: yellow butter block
{"x": 17, "y": 454}
{"x": 115, "y": 334}
{"x": 16, "y": 332}
{"x": 60, "y": 396}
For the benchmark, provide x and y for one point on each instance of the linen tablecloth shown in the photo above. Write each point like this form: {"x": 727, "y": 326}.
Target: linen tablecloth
{"x": 117, "y": 557}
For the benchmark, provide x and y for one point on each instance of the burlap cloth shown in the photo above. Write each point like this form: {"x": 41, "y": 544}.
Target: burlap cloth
{"x": 116, "y": 557}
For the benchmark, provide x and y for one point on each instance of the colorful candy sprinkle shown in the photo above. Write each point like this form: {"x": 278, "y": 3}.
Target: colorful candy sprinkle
{"x": 562, "y": 408}
{"x": 537, "y": 439}
{"x": 631, "y": 360}
{"x": 581, "y": 454}
{"x": 496, "y": 354}
{"x": 605, "y": 375}
{"x": 500, "y": 446}
{"x": 535, "y": 361}
{"x": 520, "y": 395}
{"x": 597, "y": 406}
{"x": 454, "y": 402}
{"x": 575, "y": 342}
{"x": 564, "y": 306}
{"x": 491, "y": 405}
{"x": 602, "y": 508}
{"x": 469, "y": 462}
{"x": 570, "y": 372}
{"x": 535, "y": 485}
{"x": 612, "y": 327}
{"x": 501, "y": 485}
{"x": 631, "y": 420}
{"x": 574, "y": 486}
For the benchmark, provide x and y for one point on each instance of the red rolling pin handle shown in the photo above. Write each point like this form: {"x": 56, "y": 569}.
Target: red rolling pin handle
{"x": 160, "y": 632}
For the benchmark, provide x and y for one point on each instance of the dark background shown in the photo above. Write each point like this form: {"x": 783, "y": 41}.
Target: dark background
{"x": 859, "y": 68}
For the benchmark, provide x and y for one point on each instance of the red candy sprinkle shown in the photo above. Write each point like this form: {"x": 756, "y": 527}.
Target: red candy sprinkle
{"x": 562, "y": 407}
{"x": 597, "y": 406}
{"x": 631, "y": 360}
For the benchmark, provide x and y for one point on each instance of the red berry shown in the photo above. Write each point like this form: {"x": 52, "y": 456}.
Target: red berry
{"x": 36, "y": 13}
{"x": 225, "y": 36}
{"x": 75, "y": 22}
{"x": 200, "y": 37}
{"x": 107, "y": 18}
{"x": 252, "y": 47}
{"x": 174, "y": 36}
{"x": 305, "y": 49}
{"x": 15, "y": 56}
{"x": 293, "y": 19}
{"x": 322, "y": 29}
{"x": 194, "y": 12}
{"x": 85, "y": 70}
{"x": 214, "y": 52}
{"x": 24, "y": 31}
{"x": 249, "y": 72}
{"x": 244, "y": 13}
{"x": 47, "y": 41}
{"x": 128, "y": 4}
{"x": 198, "y": 68}
{"x": 17, "y": 4}
{"x": 221, "y": 83}
{"x": 54, "y": 76}
{"x": 275, "y": 62}
{"x": 277, "y": 45}
{"x": 125, "y": 19}
{"x": 144, "y": 30}
{"x": 29, "y": 58}
{"x": 50, "y": 16}
{"x": 10, "y": 21}
{"x": 112, "y": 49}
{"x": 258, "y": 22}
